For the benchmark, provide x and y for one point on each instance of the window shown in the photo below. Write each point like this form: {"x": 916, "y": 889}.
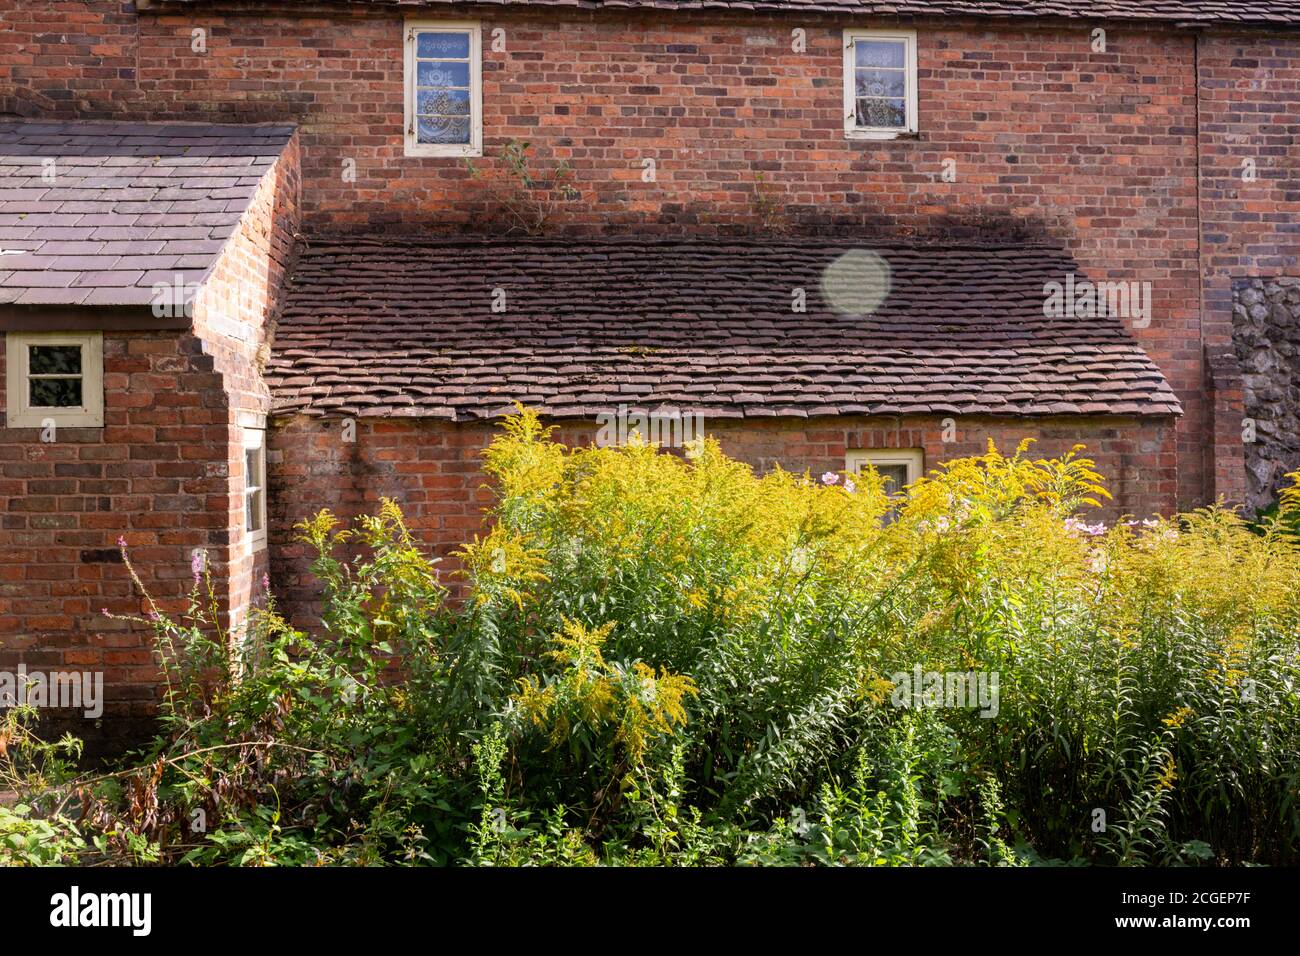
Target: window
{"x": 898, "y": 466}
{"x": 879, "y": 83}
{"x": 444, "y": 97}
{"x": 54, "y": 376}
{"x": 255, "y": 487}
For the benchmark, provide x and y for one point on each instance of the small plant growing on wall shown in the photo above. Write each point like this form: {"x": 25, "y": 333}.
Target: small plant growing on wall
{"x": 524, "y": 198}
{"x": 769, "y": 209}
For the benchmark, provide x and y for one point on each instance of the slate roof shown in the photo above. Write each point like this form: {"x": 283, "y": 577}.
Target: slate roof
{"x": 1255, "y": 12}
{"x": 128, "y": 205}
{"x": 376, "y": 327}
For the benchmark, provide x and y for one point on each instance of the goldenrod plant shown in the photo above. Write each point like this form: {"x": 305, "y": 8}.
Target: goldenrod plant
{"x": 663, "y": 660}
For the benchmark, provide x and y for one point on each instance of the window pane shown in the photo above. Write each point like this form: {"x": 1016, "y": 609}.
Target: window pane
{"x": 55, "y": 392}
{"x": 439, "y": 73}
{"x": 443, "y": 129}
{"x": 888, "y": 113}
{"x": 442, "y": 44}
{"x": 54, "y": 359}
{"x": 443, "y": 102}
{"x": 252, "y": 468}
{"x": 253, "y": 511}
{"x": 253, "y": 486}
{"x": 880, "y": 53}
{"x": 881, "y": 83}
{"x": 895, "y": 477}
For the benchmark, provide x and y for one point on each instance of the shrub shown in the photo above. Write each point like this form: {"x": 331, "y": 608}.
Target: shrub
{"x": 660, "y": 661}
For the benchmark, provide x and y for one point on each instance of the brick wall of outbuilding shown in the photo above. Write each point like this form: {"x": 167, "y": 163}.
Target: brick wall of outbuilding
{"x": 165, "y": 473}
{"x": 233, "y": 316}
{"x": 432, "y": 469}
{"x": 155, "y": 475}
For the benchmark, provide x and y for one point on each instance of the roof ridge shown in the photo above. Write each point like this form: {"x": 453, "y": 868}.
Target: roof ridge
{"x": 409, "y": 241}
{"x": 1250, "y": 14}
{"x": 165, "y": 123}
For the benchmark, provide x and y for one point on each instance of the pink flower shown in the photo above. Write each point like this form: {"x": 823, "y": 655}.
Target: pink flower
{"x": 1075, "y": 526}
{"x": 830, "y": 478}
{"x": 104, "y": 611}
{"x": 266, "y": 582}
{"x": 196, "y": 565}
{"x": 121, "y": 541}
{"x": 849, "y": 486}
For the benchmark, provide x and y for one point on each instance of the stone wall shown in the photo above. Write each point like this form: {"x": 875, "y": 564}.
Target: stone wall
{"x": 1266, "y": 332}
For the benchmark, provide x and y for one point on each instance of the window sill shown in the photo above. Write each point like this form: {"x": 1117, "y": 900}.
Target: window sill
{"x": 442, "y": 152}
{"x": 877, "y": 136}
{"x": 30, "y": 419}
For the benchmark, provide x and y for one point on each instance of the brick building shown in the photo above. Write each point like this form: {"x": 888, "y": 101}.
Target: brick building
{"x": 261, "y": 258}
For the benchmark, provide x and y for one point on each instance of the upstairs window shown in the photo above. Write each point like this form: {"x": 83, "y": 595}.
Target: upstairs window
{"x": 879, "y": 83}
{"x": 54, "y": 377}
{"x": 444, "y": 98}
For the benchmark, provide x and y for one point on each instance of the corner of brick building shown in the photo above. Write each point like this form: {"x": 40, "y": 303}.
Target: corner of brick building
{"x": 164, "y": 474}
{"x": 234, "y": 316}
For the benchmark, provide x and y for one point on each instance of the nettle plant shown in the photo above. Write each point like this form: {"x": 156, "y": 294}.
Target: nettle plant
{"x": 659, "y": 660}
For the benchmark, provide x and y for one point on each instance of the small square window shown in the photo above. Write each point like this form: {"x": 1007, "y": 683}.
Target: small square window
{"x": 879, "y": 83}
{"x": 444, "y": 99}
{"x": 898, "y": 466}
{"x": 54, "y": 376}
{"x": 255, "y": 487}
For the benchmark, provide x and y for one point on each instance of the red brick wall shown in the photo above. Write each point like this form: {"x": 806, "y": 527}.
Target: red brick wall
{"x": 1249, "y": 111}
{"x": 432, "y": 469}
{"x": 154, "y": 475}
{"x": 231, "y": 317}
{"x": 75, "y": 57}
{"x": 1225, "y": 447}
{"x": 165, "y": 472}
{"x": 1051, "y": 139}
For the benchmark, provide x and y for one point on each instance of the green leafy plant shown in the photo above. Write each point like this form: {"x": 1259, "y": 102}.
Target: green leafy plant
{"x": 664, "y": 661}
{"x": 526, "y": 200}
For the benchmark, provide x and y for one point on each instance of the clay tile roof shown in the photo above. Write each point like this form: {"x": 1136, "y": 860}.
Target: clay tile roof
{"x": 1245, "y": 12}
{"x": 94, "y": 213}
{"x": 385, "y": 327}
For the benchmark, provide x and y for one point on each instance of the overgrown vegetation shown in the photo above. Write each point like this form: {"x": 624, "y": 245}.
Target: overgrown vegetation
{"x": 661, "y": 661}
{"x": 522, "y": 199}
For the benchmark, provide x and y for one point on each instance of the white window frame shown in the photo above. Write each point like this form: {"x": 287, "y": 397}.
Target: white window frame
{"x": 20, "y": 413}
{"x": 255, "y": 439}
{"x": 913, "y": 458}
{"x": 413, "y": 147}
{"x": 851, "y": 129}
